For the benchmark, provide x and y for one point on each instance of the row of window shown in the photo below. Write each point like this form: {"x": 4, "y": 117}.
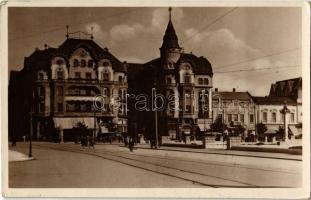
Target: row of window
{"x": 83, "y": 63}
{"x": 203, "y": 81}
{"x": 105, "y": 76}
{"x": 274, "y": 117}
{"x": 236, "y": 118}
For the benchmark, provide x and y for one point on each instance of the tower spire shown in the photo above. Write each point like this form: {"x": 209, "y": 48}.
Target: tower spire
{"x": 170, "y": 13}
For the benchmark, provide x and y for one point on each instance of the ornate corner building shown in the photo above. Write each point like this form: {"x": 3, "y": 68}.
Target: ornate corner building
{"x": 56, "y": 88}
{"x": 185, "y": 82}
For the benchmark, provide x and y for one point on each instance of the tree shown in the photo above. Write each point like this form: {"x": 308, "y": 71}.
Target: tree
{"x": 261, "y": 129}
{"x": 280, "y": 133}
{"x": 218, "y": 125}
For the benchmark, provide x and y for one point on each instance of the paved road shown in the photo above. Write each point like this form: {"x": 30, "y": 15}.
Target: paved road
{"x": 69, "y": 165}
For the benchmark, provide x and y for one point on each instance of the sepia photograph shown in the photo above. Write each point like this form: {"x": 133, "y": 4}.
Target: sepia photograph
{"x": 177, "y": 97}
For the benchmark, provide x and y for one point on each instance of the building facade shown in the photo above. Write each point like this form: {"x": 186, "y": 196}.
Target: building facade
{"x": 60, "y": 85}
{"x": 184, "y": 80}
{"x": 235, "y": 109}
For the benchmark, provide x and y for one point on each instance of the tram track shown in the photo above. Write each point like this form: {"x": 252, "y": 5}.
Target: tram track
{"x": 203, "y": 179}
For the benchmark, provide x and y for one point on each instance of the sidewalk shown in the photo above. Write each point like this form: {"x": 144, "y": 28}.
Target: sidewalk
{"x": 282, "y": 156}
{"x": 15, "y": 156}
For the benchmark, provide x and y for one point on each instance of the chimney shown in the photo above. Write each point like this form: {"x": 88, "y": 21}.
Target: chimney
{"x": 233, "y": 90}
{"x": 216, "y": 89}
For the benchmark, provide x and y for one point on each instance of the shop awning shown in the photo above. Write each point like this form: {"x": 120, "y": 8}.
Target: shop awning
{"x": 69, "y": 123}
{"x": 294, "y": 130}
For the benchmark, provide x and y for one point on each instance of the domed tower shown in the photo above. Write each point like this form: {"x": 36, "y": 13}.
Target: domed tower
{"x": 170, "y": 49}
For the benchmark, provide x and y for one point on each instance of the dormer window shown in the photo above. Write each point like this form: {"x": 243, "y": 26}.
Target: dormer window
{"x": 83, "y": 63}
{"x": 120, "y": 79}
{"x": 200, "y": 81}
{"x": 106, "y": 63}
{"x": 75, "y": 63}
{"x": 206, "y": 81}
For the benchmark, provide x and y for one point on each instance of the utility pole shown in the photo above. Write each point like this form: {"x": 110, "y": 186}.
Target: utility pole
{"x": 31, "y": 128}
{"x": 156, "y": 112}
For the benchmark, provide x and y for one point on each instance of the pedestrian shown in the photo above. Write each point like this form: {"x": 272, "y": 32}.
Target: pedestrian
{"x": 131, "y": 144}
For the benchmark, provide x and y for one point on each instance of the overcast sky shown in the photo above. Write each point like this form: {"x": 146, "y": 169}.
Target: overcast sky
{"x": 135, "y": 35}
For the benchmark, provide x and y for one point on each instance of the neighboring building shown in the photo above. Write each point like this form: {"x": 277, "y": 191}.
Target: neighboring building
{"x": 234, "y": 108}
{"x": 269, "y": 108}
{"x": 57, "y": 87}
{"x": 291, "y": 88}
{"x": 182, "y": 78}
{"x": 269, "y": 112}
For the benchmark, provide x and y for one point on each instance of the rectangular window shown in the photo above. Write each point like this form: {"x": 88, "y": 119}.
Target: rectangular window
{"x": 105, "y": 76}
{"x": 59, "y": 75}
{"x": 273, "y": 117}
{"x": 59, "y": 91}
{"x": 229, "y": 118}
{"x": 41, "y": 92}
{"x": 41, "y": 107}
{"x": 242, "y": 118}
{"x": 88, "y": 75}
{"x": 235, "y": 118}
{"x": 264, "y": 117}
{"x": 77, "y": 75}
{"x": 292, "y": 117}
{"x": 251, "y": 118}
{"x": 187, "y": 79}
{"x": 60, "y": 107}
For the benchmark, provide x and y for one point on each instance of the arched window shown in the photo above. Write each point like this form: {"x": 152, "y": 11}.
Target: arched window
{"x": 169, "y": 80}
{"x": 40, "y": 76}
{"x": 59, "y": 74}
{"x": 90, "y": 63}
{"x": 120, "y": 79}
{"x": 200, "y": 81}
{"x": 59, "y": 62}
{"x": 206, "y": 81}
{"x": 75, "y": 63}
{"x": 83, "y": 63}
{"x": 106, "y": 63}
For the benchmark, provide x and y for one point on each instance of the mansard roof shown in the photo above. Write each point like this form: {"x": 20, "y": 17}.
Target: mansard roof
{"x": 200, "y": 64}
{"x": 42, "y": 58}
{"x": 286, "y": 88}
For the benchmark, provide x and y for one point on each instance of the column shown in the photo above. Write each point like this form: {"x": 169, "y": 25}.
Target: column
{"x": 210, "y": 102}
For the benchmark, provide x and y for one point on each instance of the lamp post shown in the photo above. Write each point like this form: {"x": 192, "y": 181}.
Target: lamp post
{"x": 284, "y": 111}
